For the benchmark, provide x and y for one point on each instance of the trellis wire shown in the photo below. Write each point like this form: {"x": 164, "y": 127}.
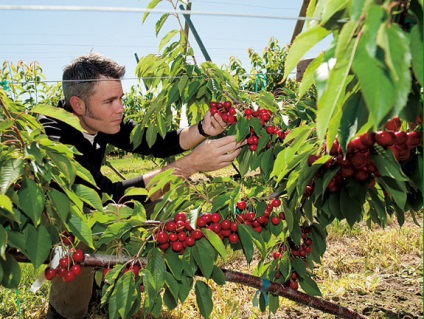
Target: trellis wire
{"x": 146, "y": 10}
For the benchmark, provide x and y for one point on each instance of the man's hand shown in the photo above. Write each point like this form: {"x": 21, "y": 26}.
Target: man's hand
{"x": 213, "y": 124}
{"x": 209, "y": 156}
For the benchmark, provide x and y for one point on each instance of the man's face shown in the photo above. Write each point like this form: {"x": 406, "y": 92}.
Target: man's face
{"x": 104, "y": 110}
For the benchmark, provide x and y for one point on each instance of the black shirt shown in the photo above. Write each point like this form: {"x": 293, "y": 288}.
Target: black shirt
{"x": 92, "y": 154}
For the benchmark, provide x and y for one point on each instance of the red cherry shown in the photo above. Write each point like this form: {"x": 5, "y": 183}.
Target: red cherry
{"x": 308, "y": 191}
{"x": 182, "y": 236}
{"x": 362, "y": 176}
{"x": 214, "y": 110}
{"x": 282, "y": 216}
{"x": 162, "y": 237}
{"x": 276, "y": 255}
{"x": 213, "y": 104}
{"x": 106, "y": 270}
{"x": 234, "y": 227}
{"x": 190, "y": 241}
{"x": 68, "y": 276}
{"x": 232, "y": 111}
{"x": 164, "y": 246}
{"x": 180, "y": 216}
{"x": 227, "y": 104}
{"x": 275, "y": 220}
{"x": 312, "y": 159}
{"x": 67, "y": 238}
{"x": 276, "y": 202}
{"x": 78, "y": 256}
{"x": 253, "y": 147}
{"x": 270, "y": 129}
{"x": 394, "y": 124}
{"x": 49, "y": 273}
{"x": 135, "y": 269}
{"x": 76, "y": 269}
{"x": 173, "y": 237}
{"x": 226, "y": 224}
{"x": 294, "y": 275}
{"x": 255, "y": 140}
{"x": 294, "y": 285}
{"x": 197, "y": 234}
{"x": 180, "y": 225}
{"x": 385, "y": 138}
{"x": 241, "y": 205}
{"x": 177, "y": 246}
{"x": 65, "y": 262}
{"x": 248, "y": 112}
{"x": 414, "y": 139}
{"x": 367, "y": 139}
{"x": 216, "y": 218}
{"x": 401, "y": 137}
{"x": 171, "y": 226}
{"x": 201, "y": 222}
{"x": 60, "y": 272}
{"x": 234, "y": 238}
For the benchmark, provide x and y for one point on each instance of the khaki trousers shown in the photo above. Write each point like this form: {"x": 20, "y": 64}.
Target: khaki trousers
{"x": 71, "y": 299}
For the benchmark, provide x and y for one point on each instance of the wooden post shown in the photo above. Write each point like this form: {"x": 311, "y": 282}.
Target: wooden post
{"x": 301, "y": 68}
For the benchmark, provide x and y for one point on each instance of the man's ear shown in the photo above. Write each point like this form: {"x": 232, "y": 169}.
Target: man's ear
{"x": 77, "y": 105}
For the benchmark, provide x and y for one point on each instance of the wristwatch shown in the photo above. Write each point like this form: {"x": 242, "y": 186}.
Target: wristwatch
{"x": 201, "y": 131}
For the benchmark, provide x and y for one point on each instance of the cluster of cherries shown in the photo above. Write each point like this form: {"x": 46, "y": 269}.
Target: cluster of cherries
{"x": 70, "y": 264}
{"x": 296, "y": 251}
{"x": 178, "y": 234}
{"x": 225, "y": 110}
{"x": 264, "y": 116}
{"x": 357, "y": 163}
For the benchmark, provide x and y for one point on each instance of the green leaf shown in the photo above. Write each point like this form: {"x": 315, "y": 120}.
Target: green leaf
{"x": 6, "y": 207}
{"x": 156, "y": 266}
{"x": 10, "y": 172}
{"x": 167, "y": 38}
{"x": 172, "y": 285}
{"x": 124, "y": 295}
{"x": 151, "y": 135}
{"x": 332, "y": 100}
{"x": 396, "y": 189}
{"x": 151, "y": 5}
{"x": 331, "y": 8}
{"x": 32, "y": 200}
{"x": 204, "y": 298}
{"x": 416, "y": 47}
{"x": 185, "y": 287}
{"x": 352, "y": 199}
{"x": 398, "y": 59}
{"x": 216, "y": 242}
{"x": 309, "y": 75}
{"x": 309, "y": 286}
{"x": 388, "y": 165}
{"x": 301, "y": 45}
{"x": 11, "y": 272}
{"x": 58, "y": 114}
{"x": 38, "y": 244}
{"x": 246, "y": 242}
{"x": 160, "y": 22}
{"x": 60, "y": 202}
{"x": 218, "y": 275}
{"x": 204, "y": 255}
{"x": 3, "y": 243}
{"x": 174, "y": 94}
{"x": 78, "y": 225}
{"x": 299, "y": 266}
{"x": 114, "y": 232}
{"x": 64, "y": 164}
{"x": 89, "y": 196}
{"x": 174, "y": 264}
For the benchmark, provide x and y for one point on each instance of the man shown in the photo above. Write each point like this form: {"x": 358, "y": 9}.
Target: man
{"x": 93, "y": 92}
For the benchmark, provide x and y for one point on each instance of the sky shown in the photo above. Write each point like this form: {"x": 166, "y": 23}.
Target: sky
{"x": 54, "y": 38}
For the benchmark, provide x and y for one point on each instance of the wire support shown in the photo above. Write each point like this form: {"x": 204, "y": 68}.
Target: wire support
{"x": 146, "y": 10}
{"x": 142, "y": 78}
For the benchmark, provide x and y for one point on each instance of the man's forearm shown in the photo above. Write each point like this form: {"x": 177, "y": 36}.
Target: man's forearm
{"x": 190, "y": 137}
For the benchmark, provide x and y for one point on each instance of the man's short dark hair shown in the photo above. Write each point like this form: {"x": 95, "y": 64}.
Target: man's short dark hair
{"x": 81, "y": 75}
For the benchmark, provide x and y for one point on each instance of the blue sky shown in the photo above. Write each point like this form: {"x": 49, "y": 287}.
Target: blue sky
{"x": 53, "y": 38}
